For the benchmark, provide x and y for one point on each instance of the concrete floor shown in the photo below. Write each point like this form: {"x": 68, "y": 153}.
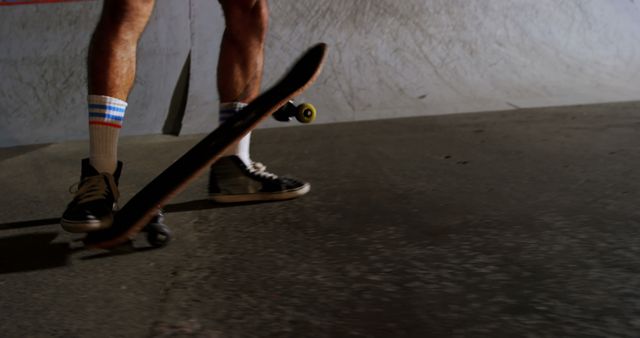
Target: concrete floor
{"x": 521, "y": 223}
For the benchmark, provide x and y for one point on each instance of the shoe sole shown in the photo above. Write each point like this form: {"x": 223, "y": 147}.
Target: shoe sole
{"x": 83, "y": 226}
{"x": 262, "y": 196}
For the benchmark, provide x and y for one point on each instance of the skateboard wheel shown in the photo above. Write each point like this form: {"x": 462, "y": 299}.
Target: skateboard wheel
{"x": 306, "y": 113}
{"x": 158, "y": 235}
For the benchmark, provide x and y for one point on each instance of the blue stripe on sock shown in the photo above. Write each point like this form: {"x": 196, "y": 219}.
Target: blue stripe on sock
{"x": 106, "y": 116}
{"x": 107, "y": 107}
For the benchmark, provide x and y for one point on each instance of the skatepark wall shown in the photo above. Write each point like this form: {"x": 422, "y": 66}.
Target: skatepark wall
{"x": 388, "y": 59}
{"x": 43, "y": 66}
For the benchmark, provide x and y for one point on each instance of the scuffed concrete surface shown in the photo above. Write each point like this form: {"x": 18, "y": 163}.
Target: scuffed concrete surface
{"x": 504, "y": 224}
{"x": 43, "y": 87}
{"x": 401, "y": 58}
{"x": 42, "y": 91}
{"x": 388, "y": 59}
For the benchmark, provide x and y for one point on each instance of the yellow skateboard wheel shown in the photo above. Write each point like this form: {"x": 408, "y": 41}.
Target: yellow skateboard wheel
{"x": 306, "y": 113}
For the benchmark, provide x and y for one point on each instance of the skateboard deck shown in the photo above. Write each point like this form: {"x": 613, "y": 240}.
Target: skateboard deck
{"x": 145, "y": 205}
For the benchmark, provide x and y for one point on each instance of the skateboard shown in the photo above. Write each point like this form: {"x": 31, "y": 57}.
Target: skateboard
{"x": 144, "y": 210}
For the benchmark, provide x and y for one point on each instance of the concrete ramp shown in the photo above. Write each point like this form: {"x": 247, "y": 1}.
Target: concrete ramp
{"x": 389, "y": 58}
{"x": 415, "y": 57}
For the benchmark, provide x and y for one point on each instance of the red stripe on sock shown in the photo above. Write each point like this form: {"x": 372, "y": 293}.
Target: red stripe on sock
{"x": 106, "y": 124}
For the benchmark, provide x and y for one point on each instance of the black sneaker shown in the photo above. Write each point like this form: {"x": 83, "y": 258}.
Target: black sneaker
{"x": 94, "y": 202}
{"x": 232, "y": 181}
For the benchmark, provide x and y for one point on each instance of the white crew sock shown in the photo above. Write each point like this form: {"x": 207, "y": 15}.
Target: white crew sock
{"x": 240, "y": 148}
{"x": 106, "y": 115}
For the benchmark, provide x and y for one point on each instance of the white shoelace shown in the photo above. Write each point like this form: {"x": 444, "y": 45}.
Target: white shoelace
{"x": 260, "y": 169}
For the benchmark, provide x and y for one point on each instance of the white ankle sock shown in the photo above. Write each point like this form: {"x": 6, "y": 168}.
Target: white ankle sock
{"x": 106, "y": 115}
{"x": 240, "y": 148}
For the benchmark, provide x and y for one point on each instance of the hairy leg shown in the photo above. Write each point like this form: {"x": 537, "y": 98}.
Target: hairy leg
{"x": 235, "y": 177}
{"x": 111, "y": 73}
{"x": 112, "y": 53}
{"x": 242, "y": 50}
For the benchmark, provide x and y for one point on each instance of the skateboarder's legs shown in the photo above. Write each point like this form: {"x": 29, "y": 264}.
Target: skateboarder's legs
{"x": 241, "y": 61}
{"x": 112, "y": 63}
{"x": 236, "y": 178}
{"x": 111, "y": 73}
{"x": 242, "y": 49}
{"x": 111, "y": 67}
{"x": 112, "y": 53}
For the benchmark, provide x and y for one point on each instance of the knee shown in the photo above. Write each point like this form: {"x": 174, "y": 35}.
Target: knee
{"x": 248, "y": 16}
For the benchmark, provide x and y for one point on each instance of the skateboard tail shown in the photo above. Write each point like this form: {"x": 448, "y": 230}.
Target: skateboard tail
{"x": 147, "y": 202}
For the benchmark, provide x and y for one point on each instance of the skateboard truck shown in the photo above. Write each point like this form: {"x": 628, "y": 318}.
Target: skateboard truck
{"x": 304, "y": 112}
{"x": 158, "y": 233}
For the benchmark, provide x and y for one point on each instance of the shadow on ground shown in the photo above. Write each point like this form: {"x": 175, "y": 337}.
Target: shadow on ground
{"x": 195, "y": 205}
{"x": 28, "y": 252}
{"x": 38, "y": 251}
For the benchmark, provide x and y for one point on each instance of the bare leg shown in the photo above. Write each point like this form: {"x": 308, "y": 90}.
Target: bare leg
{"x": 242, "y": 50}
{"x": 112, "y": 53}
{"x": 241, "y": 61}
{"x": 235, "y": 178}
{"x": 111, "y": 73}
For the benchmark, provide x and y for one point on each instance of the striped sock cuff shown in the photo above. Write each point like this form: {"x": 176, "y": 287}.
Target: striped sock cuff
{"x": 228, "y": 109}
{"x": 106, "y": 111}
